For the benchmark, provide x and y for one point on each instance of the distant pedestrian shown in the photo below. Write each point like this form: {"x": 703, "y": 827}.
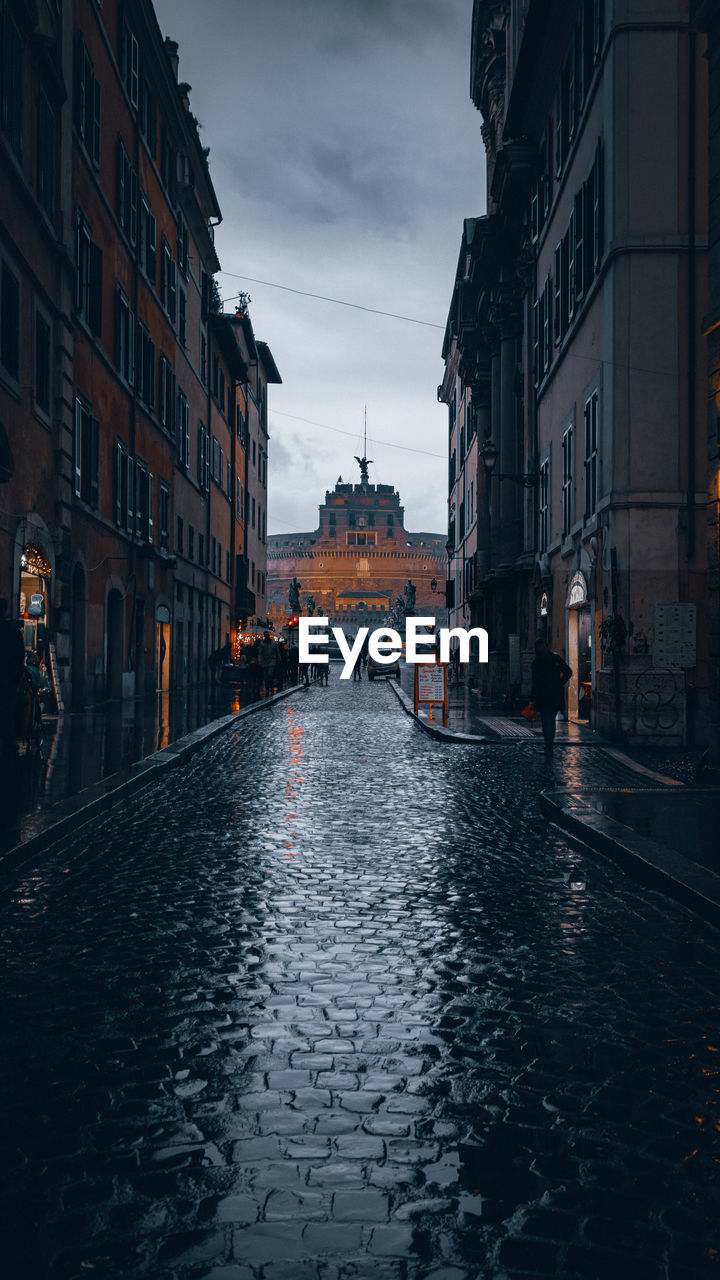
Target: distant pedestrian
{"x": 12, "y": 665}
{"x": 268, "y": 662}
{"x": 282, "y": 663}
{"x": 293, "y": 658}
{"x": 550, "y": 674}
{"x": 357, "y": 669}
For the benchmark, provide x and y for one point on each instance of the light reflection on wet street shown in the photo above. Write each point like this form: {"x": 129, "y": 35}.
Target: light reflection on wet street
{"x": 334, "y": 1001}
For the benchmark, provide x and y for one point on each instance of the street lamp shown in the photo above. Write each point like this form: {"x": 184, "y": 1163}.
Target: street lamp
{"x": 489, "y": 455}
{"x": 433, "y": 585}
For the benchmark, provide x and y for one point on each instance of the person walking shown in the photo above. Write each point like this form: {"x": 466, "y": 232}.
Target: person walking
{"x": 268, "y": 662}
{"x": 550, "y": 674}
{"x": 293, "y": 658}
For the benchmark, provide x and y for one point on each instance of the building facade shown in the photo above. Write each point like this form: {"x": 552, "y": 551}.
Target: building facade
{"x": 574, "y": 328}
{"x": 123, "y": 389}
{"x": 358, "y": 562}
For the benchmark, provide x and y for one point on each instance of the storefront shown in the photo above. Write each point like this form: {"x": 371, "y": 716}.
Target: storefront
{"x": 34, "y": 599}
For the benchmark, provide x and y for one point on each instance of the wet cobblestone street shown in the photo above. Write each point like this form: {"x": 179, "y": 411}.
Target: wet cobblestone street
{"x": 334, "y": 1001}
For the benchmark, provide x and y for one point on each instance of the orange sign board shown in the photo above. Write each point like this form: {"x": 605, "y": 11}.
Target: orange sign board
{"x": 431, "y": 686}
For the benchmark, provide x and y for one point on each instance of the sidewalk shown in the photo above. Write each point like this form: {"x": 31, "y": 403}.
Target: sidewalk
{"x": 662, "y": 827}
{"x": 85, "y": 754}
{"x": 469, "y": 718}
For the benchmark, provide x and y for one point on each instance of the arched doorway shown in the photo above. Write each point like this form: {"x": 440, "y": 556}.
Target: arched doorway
{"x": 579, "y": 648}
{"x": 114, "y": 637}
{"x": 78, "y": 636}
{"x": 162, "y": 647}
{"x": 35, "y": 580}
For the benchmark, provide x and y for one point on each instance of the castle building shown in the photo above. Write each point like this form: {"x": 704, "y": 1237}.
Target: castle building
{"x": 358, "y": 561}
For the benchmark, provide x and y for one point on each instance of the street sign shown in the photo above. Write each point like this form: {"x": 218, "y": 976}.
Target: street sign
{"x": 431, "y": 687}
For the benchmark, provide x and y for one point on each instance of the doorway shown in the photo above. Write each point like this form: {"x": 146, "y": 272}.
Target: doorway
{"x": 78, "y": 636}
{"x": 162, "y": 656}
{"x": 114, "y": 643}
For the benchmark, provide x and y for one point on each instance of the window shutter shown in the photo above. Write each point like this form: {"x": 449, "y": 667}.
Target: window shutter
{"x": 129, "y": 492}
{"x": 150, "y": 525}
{"x": 139, "y": 497}
{"x": 77, "y": 460}
{"x": 206, "y": 451}
{"x": 95, "y": 121}
{"x": 120, "y": 181}
{"x": 94, "y": 451}
{"x": 95, "y": 298}
{"x": 172, "y": 289}
{"x": 118, "y": 469}
{"x": 152, "y": 248}
{"x": 597, "y": 208}
{"x": 133, "y": 220}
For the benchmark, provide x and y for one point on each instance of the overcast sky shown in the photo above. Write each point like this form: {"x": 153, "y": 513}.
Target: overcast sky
{"x": 345, "y": 153}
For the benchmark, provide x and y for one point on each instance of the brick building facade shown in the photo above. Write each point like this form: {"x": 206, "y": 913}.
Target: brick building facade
{"x": 124, "y": 392}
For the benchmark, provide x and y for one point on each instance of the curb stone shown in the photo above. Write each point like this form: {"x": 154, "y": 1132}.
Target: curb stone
{"x": 76, "y": 814}
{"x": 654, "y": 865}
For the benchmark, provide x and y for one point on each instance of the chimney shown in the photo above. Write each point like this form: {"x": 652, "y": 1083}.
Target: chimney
{"x": 171, "y": 47}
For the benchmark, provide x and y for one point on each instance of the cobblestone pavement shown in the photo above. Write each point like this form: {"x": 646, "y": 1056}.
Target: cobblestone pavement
{"x": 334, "y": 1002}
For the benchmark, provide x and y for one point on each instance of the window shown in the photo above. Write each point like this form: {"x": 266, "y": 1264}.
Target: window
{"x": 88, "y": 289}
{"x": 12, "y": 80}
{"x": 130, "y": 64}
{"x": 164, "y": 516}
{"x": 85, "y": 454}
{"x": 148, "y": 117}
{"x": 166, "y": 395}
{"x": 126, "y": 194}
{"x": 215, "y": 458}
{"x": 201, "y": 552}
{"x": 42, "y": 363}
{"x": 9, "y": 322}
{"x": 543, "y": 331}
{"x": 203, "y": 458}
{"x": 45, "y": 158}
{"x": 568, "y": 465}
{"x": 180, "y": 528}
{"x": 191, "y": 543}
{"x": 544, "y": 505}
{"x": 590, "y": 416}
{"x": 183, "y": 242}
{"x": 124, "y": 488}
{"x": 182, "y": 317}
{"x": 183, "y": 431}
{"x": 148, "y": 239}
{"x": 143, "y": 502}
{"x": 228, "y": 481}
{"x": 213, "y": 557}
{"x": 87, "y": 102}
{"x": 124, "y": 337}
{"x": 145, "y": 365}
{"x": 240, "y": 499}
{"x": 252, "y": 519}
{"x": 203, "y": 358}
{"x": 168, "y": 165}
{"x": 228, "y": 567}
{"x": 168, "y": 281}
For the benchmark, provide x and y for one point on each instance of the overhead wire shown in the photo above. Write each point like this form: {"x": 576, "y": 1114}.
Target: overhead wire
{"x": 406, "y": 448}
{"x": 321, "y": 297}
